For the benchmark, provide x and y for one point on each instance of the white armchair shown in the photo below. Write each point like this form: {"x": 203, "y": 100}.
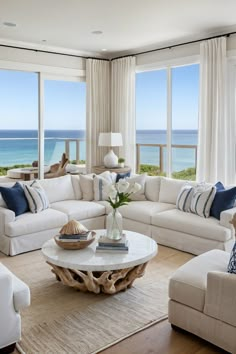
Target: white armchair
{"x": 14, "y": 295}
{"x": 203, "y": 299}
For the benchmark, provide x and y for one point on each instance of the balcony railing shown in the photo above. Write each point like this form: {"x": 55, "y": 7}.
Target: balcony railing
{"x": 20, "y": 150}
{"x": 161, "y": 154}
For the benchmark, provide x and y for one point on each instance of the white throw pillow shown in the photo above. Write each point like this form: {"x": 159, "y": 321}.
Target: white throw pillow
{"x": 152, "y": 188}
{"x": 184, "y": 198}
{"x": 36, "y": 197}
{"x": 86, "y": 185}
{"x": 140, "y": 179}
{"x": 202, "y": 199}
{"x": 100, "y": 184}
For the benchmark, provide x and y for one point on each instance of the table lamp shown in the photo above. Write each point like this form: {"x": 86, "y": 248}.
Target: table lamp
{"x": 110, "y": 139}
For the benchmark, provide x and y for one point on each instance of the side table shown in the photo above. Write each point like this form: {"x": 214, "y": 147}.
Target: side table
{"x": 100, "y": 169}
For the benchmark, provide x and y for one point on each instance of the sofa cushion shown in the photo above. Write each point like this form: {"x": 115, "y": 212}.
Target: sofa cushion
{"x": 29, "y": 223}
{"x": 188, "y": 284}
{"x": 140, "y": 179}
{"x": 86, "y": 185}
{"x": 79, "y": 209}
{"x": 15, "y": 198}
{"x": 224, "y": 200}
{"x": 202, "y": 200}
{"x": 143, "y": 211}
{"x": 169, "y": 190}
{"x": 58, "y": 189}
{"x": 192, "y": 224}
{"x": 75, "y": 179}
{"x": 184, "y": 198}
{"x": 152, "y": 188}
{"x": 101, "y": 185}
{"x": 36, "y": 197}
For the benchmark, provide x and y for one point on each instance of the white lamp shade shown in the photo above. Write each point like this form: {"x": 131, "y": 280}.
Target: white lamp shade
{"x": 110, "y": 139}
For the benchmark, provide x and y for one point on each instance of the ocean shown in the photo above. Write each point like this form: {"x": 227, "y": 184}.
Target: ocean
{"x": 21, "y": 146}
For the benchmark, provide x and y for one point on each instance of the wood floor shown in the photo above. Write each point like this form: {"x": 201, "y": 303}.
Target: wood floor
{"x": 162, "y": 339}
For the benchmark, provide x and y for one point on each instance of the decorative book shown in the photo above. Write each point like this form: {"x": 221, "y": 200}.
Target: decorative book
{"x": 104, "y": 241}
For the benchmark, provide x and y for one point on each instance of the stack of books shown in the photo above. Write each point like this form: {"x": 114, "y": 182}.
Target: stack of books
{"x": 107, "y": 245}
{"x": 74, "y": 238}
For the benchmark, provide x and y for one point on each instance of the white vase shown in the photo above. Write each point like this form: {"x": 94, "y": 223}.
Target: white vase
{"x": 114, "y": 225}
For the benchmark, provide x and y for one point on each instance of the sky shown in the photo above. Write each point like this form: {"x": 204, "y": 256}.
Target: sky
{"x": 151, "y": 98}
{"x": 65, "y": 102}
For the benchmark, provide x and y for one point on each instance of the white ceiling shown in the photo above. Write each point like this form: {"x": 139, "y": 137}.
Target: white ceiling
{"x": 128, "y": 26}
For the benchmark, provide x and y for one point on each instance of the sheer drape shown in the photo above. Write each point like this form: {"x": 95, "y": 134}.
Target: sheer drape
{"x": 123, "y": 106}
{"x": 215, "y": 143}
{"x": 98, "y": 109}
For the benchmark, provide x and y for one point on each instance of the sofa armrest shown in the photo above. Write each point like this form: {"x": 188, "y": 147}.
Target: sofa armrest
{"x": 220, "y": 300}
{"x": 226, "y": 216}
{"x": 6, "y": 216}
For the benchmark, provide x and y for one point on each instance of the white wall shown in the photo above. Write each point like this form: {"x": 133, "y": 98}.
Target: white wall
{"x": 19, "y": 59}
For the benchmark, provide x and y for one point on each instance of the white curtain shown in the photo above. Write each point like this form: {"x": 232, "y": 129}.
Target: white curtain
{"x": 123, "y": 107}
{"x": 98, "y": 109}
{"x": 215, "y": 142}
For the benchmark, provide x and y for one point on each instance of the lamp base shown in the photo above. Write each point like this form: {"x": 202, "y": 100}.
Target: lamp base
{"x": 110, "y": 160}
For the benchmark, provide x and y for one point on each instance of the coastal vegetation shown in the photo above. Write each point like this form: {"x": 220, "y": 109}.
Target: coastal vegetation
{"x": 151, "y": 170}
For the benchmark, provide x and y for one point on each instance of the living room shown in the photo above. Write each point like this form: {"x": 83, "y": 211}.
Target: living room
{"x": 117, "y": 114}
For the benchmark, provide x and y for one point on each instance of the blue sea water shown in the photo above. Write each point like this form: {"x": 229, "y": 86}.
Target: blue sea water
{"x": 25, "y": 149}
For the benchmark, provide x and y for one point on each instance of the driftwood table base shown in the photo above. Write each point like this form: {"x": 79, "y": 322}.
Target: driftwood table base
{"x": 108, "y": 282}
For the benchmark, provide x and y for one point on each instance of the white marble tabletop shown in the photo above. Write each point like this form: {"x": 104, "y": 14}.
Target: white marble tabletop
{"x": 141, "y": 249}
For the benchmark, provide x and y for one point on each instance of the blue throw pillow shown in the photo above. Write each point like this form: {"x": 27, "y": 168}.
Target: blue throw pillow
{"x": 122, "y": 175}
{"x": 232, "y": 261}
{"x": 15, "y": 199}
{"x": 224, "y": 200}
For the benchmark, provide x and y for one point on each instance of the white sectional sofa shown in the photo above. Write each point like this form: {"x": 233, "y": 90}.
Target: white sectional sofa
{"x": 156, "y": 217}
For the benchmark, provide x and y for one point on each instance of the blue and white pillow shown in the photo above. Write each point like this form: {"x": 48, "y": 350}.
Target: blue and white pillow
{"x": 101, "y": 185}
{"x": 36, "y": 196}
{"x": 232, "y": 261}
{"x": 202, "y": 200}
{"x": 184, "y": 198}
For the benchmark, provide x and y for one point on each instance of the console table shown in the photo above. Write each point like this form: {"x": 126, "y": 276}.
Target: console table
{"x": 100, "y": 169}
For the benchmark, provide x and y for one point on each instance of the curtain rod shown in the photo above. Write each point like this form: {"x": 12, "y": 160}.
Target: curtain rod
{"x": 49, "y": 52}
{"x": 174, "y": 45}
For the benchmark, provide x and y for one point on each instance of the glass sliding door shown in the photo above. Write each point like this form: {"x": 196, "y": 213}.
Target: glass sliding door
{"x": 65, "y": 122}
{"x": 151, "y": 121}
{"x": 185, "y": 94}
{"x": 18, "y": 119}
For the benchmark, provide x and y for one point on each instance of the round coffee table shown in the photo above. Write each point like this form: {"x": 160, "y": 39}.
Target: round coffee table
{"x": 88, "y": 270}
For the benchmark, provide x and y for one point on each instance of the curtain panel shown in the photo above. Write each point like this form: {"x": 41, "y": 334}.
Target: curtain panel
{"x": 123, "y": 107}
{"x": 97, "y": 109}
{"x": 216, "y": 127}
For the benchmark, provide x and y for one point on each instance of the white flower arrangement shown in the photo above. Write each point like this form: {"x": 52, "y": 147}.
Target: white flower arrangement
{"x": 120, "y": 192}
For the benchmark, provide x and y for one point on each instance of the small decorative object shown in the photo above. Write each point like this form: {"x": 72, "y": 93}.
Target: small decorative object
{"x": 110, "y": 139}
{"x": 75, "y": 244}
{"x": 121, "y": 162}
{"x": 73, "y": 227}
{"x": 232, "y": 260}
{"x": 118, "y": 195}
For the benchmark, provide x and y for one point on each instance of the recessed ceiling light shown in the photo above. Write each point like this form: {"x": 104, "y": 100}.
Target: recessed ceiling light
{"x": 104, "y": 50}
{"x": 96, "y": 32}
{"x": 9, "y": 24}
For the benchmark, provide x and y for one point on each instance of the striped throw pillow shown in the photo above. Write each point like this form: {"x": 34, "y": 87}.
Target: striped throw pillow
{"x": 36, "y": 196}
{"x": 184, "y": 198}
{"x": 202, "y": 200}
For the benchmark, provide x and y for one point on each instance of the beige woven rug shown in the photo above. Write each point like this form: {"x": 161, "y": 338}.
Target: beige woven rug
{"x": 61, "y": 320}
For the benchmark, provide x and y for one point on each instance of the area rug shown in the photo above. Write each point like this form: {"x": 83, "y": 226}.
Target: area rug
{"x": 61, "y": 320}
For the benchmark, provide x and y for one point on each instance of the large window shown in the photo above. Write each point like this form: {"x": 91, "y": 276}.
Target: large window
{"x": 160, "y": 105}
{"x": 63, "y": 118}
{"x": 18, "y": 119}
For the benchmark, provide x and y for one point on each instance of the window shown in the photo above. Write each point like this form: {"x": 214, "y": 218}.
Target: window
{"x": 18, "y": 119}
{"x": 152, "y": 95}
